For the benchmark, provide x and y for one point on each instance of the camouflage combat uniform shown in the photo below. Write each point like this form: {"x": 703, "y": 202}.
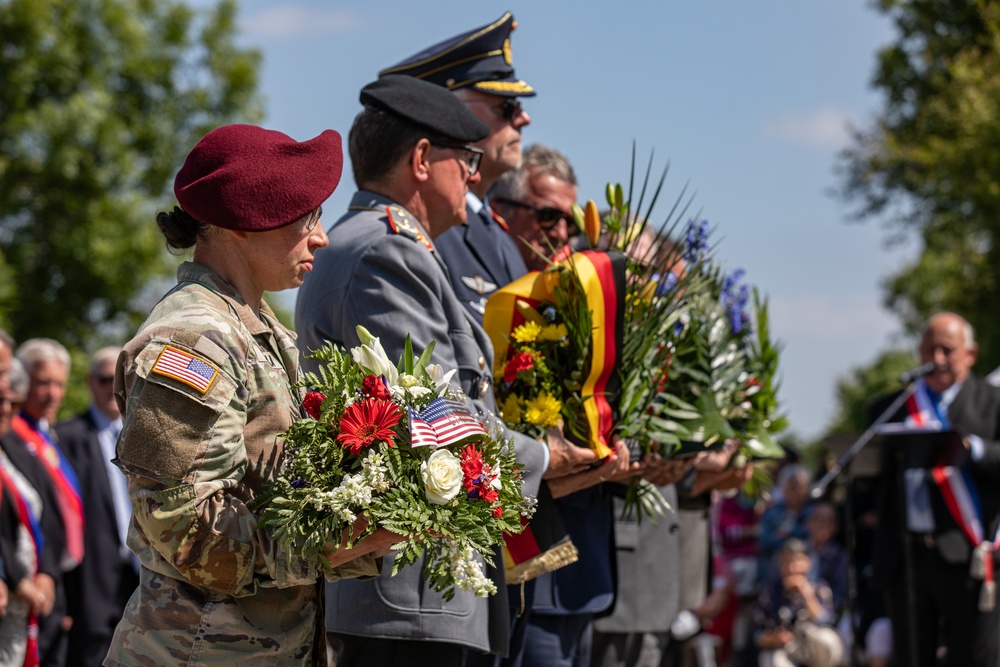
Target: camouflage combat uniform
{"x": 203, "y": 388}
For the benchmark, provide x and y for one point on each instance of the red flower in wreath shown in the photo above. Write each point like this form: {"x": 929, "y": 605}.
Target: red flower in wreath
{"x": 313, "y": 402}
{"x": 374, "y": 387}
{"x": 472, "y": 467}
{"x": 366, "y": 422}
{"x": 488, "y": 493}
{"x": 522, "y": 361}
{"x": 497, "y": 512}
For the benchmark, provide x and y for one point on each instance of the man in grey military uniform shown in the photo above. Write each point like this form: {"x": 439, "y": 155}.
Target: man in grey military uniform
{"x": 412, "y": 159}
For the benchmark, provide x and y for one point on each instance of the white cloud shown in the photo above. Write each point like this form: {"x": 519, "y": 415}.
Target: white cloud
{"x": 298, "y": 21}
{"x": 822, "y": 128}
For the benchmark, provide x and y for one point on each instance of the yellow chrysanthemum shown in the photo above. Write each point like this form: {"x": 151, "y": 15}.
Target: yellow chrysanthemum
{"x": 543, "y": 410}
{"x": 510, "y": 410}
{"x": 527, "y": 332}
{"x": 553, "y": 332}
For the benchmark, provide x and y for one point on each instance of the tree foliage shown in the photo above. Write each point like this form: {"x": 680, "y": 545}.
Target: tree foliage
{"x": 930, "y": 164}
{"x": 865, "y": 383}
{"x": 100, "y": 102}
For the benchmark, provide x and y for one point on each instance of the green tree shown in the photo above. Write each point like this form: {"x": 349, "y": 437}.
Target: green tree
{"x": 930, "y": 164}
{"x": 864, "y": 383}
{"x": 99, "y": 103}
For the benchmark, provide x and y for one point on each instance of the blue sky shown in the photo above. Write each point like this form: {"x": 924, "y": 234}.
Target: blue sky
{"x": 749, "y": 101}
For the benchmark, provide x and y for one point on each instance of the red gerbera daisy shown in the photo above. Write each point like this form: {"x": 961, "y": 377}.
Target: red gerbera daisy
{"x": 366, "y": 422}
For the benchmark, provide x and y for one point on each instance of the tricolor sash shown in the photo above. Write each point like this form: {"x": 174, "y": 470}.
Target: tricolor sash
{"x": 65, "y": 480}
{"x": 959, "y": 493}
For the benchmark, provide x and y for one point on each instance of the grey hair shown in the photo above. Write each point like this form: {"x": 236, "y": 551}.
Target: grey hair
{"x": 790, "y": 472}
{"x": 7, "y": 339}
{"x": 103, "y": 356}
{"x": 537, "y": 160}
{"x": 37, "y": 350}
{"x": 18, "y": 380}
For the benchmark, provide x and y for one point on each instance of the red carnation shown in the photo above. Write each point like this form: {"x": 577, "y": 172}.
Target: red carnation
{"x": 488, "y": 493}
{"x": 374, "y": 387}
{"x": 366, "y": 422}
{"x": 497, "y": 512}
{"x": 522, "y": 361}
{"x": 313, "y": 402}
{"x": 472, "y": 466}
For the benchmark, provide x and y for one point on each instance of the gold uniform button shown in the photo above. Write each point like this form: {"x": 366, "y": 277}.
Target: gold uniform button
{"x": 482, "y": 363}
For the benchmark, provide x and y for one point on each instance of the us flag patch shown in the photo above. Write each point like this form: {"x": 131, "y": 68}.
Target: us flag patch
{"x": 185, "y": 367}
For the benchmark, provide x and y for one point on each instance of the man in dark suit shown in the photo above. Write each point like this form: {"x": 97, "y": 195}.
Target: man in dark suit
{"x": 949, "y": 591}
{"x": 99, "y": 588}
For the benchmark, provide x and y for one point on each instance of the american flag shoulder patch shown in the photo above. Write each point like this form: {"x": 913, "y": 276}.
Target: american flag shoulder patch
{"x": 185, "y": 367}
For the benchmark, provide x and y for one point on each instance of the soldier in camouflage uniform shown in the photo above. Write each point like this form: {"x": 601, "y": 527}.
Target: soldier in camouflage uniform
{"x": 204, "y": 390}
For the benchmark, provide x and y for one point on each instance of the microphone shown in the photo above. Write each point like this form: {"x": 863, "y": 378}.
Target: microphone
{"x": 918, "y": 372}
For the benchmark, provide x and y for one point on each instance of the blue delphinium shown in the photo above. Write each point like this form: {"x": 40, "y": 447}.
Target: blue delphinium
{"x": 664, "y": 282}
{"x": 734, "y": 298}
{"x": 695, "y": 241}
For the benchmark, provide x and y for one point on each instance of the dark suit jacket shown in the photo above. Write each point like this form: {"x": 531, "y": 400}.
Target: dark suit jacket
{"x": 481, "y": 256}
{"x": 975, "y": 410}
{"x": 100, "y": 587}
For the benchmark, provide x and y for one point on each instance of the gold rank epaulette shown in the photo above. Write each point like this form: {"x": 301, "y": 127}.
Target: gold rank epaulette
{"x": 400, "y": 222}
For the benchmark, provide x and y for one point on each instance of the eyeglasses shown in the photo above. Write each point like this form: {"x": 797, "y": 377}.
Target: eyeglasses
{"x": 473, "y": 156}
{"x": 104, "y": 379}
{"x": 310, "y": 226}
{"x": 547, "y": 216}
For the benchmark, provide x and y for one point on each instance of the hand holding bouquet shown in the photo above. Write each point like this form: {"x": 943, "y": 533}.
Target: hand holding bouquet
{"x": 397, "y": 445}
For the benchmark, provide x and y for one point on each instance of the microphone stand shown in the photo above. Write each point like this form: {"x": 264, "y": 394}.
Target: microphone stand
{"x": 843, "y": 465}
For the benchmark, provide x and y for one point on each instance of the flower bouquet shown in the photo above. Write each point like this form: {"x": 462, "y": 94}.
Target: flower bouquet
{"x": 397, "y": 444}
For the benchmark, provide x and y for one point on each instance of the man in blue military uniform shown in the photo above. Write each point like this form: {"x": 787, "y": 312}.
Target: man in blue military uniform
{"x": 478, "y": 67}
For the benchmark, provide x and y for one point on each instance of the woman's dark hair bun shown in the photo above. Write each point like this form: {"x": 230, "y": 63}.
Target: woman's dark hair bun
{"x": 180, "y": 229}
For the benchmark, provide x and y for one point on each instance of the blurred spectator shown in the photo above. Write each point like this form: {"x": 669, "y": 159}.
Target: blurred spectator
{"x": 98, "y": 590}
{"x": 20, "y": 538}
{"x": 786, "y": 518}
{"x": 796, "y": 613}
{"x": 36, "y": 454}
{"x": 829, "y": 556}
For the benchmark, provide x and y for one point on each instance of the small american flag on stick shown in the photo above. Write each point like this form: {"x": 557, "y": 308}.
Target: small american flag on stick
{"x": 442, "y": 423}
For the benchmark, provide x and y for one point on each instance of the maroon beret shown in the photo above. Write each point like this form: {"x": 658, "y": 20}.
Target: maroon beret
{"x": 246, "y": 178}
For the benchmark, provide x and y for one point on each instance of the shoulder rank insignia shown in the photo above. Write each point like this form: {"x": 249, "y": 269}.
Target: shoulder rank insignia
{"x": 499, "y": 220}
{"x": 400, "y": 222}
{"x": 478, "y": 284}
{"x": 185, "y": 367}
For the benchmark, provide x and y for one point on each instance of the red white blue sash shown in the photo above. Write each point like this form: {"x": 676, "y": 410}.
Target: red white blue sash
{"x": 959, "y": 494}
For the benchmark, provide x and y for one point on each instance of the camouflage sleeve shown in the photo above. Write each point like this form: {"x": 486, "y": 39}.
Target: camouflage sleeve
{"x": 183, "y": 450}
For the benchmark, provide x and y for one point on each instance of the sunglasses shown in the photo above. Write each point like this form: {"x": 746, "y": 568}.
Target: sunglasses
{"x": 105, "y": 380}
{"x": 509, "y": 108}
{"x": 472, "y": 155}
{"x": 547, "y": 217}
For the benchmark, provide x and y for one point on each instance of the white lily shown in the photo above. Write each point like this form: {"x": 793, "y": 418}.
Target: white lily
{"x": 373, "y": 358}
{"x": 441, "y": 379}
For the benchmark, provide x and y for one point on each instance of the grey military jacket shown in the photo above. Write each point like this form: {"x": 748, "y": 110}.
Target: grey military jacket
{"x": 383, "y": 273}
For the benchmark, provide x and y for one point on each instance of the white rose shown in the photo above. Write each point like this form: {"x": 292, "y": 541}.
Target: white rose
{"x": 442, "y": 475}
